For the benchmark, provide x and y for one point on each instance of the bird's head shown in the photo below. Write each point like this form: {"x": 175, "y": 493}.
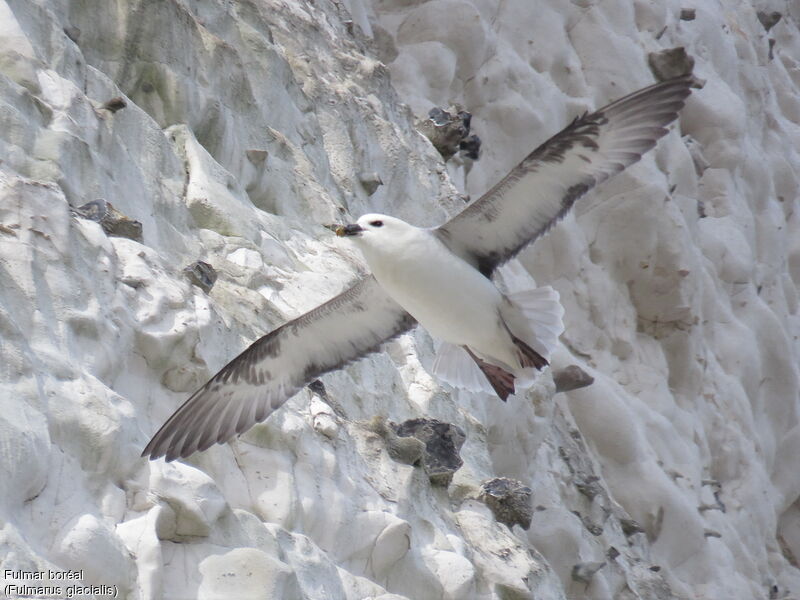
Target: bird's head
{"x": 379, "y": 237}
{"x": 375, "y": 230}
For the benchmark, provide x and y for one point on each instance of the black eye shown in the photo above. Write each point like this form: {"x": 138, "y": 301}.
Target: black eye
{"x": 376, "y": 223}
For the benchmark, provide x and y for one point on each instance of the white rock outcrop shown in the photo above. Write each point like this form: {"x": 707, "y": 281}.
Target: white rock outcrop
{"x": 250, "y": 125}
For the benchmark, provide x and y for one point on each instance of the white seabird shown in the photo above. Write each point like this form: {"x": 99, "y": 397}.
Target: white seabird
{"x": 439, "y": 277}
{"x": 482, "y": 330}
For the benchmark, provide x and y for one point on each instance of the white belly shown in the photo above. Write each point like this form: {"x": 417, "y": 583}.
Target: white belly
{"x": 447, "y": 296}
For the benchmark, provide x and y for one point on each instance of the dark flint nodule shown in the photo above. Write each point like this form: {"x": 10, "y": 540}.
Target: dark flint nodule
{"x": 449, "y": 133}
{"x": 471, "y": 147}
{"x": 201, "y": 274}
{"x": 115, "y": 104}
{"x": 768, "y": 20}
{"x": 673, "y": 62}
{"x": 630, "y": 527}
{"x": 442, "y": 441}
{"x": 113, "y": 222}
{"x": 509, "y": 500}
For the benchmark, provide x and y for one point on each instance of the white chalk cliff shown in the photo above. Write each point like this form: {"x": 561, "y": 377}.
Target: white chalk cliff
{"x": 248, "y": 126}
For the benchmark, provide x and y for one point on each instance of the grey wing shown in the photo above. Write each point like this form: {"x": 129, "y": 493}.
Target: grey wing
{"x": 539, "y": 191}
{"x": 255, "y": 383}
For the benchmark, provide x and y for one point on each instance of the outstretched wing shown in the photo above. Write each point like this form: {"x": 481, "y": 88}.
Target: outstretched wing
{"x": 539, "y": 191}
{"x": 271, "y": 370}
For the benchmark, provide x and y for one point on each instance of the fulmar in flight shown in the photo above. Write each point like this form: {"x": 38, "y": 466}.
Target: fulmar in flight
{"x": 440, "y": 278}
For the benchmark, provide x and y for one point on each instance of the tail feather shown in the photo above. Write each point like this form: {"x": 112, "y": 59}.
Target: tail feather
{"x": 534, "y": 317}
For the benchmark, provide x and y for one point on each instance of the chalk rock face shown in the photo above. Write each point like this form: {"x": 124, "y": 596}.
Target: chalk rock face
{"x": 231, "y": 133}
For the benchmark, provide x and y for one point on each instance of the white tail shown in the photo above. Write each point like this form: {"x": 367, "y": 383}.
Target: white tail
{"x": 541, "y": 322}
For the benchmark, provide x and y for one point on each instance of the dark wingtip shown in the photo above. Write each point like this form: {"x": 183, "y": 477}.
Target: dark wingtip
{"x": 152, "y": 450}
{"x": 148, "y": 451}
{"x": 150, "y": 455}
